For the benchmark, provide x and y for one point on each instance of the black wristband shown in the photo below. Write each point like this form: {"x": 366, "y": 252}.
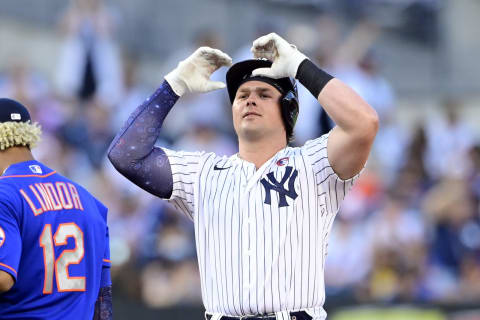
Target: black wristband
{"x": 312, "y": 77}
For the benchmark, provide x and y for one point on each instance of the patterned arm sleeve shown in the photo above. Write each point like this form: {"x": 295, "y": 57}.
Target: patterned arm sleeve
{"x": 132, "y": 152}
{"x": 103, "y": 305}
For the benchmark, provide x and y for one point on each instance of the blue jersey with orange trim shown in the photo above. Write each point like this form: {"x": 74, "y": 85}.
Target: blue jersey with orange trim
{"x": 53, "y": 241}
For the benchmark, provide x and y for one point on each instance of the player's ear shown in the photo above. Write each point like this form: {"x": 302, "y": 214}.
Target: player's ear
{"x": 6, "y": 281}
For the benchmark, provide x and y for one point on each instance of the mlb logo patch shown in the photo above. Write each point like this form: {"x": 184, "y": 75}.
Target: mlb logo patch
{"x": 282, "y": 162}
{"x": 2, "y": 236}
{"x": 35, "y": 169}
{"x": 15, "y": 116}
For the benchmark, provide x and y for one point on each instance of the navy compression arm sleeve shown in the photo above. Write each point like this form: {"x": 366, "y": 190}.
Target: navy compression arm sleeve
{"x": 132, "y": 151}
{"x": 103, "y": 305}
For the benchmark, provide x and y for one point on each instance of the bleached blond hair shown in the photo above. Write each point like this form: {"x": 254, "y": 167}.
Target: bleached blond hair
{"x": 18, "y": 134}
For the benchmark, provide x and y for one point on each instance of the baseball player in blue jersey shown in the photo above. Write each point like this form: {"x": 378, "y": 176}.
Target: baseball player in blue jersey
{"x": 262, "y": 216}
{"x": 54, "y": 243}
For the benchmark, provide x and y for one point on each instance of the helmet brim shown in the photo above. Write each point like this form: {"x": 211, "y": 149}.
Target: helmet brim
{"x": 241, "y": 72}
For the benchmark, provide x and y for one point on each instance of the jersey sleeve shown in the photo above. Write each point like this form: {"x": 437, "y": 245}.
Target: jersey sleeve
{"x": 328, "y": 182}
{"x": 10, "y": 238}
{"x": 106, "y": 255}
{"x": 185, "y": 168}
{"x": 106, "y": 262}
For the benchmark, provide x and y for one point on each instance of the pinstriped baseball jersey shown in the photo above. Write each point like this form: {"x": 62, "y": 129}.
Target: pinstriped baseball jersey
{"x": 261, "y": 234}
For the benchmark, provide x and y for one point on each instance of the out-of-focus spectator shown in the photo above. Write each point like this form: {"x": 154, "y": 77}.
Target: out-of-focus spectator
{"x": 450, "y": 208}
{"x": 395, "y": 226}
{"x": 204, "y": 134}
{"x": 89, "y": 65}
{"x": 307, "y": 126}
{"x": 214, "y": 104}
{"x": 89, "y": 130}
{"x": 469, "y": 279}
{"x": 166, "y": 284}
{"x": 416, "y": 153}
{"x": 322, "y": 41}
{"x": 474, "y": 175}
{"x": 134, "y": 91}
{"x": 349, "y": 256}
{"x": 22, "y": 83}
{"x": 262, "y": 26}
{"x": 455, "y": 237}
{"x": 449, "y": 140}
{"x": 397, "y": 234}
{"x": 167, "y": 258}
{"x": 359, "y": 65}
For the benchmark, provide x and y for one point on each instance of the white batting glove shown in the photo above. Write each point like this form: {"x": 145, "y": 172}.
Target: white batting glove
{"x": 193, "y": 74}
{"x": 284, "y": 56}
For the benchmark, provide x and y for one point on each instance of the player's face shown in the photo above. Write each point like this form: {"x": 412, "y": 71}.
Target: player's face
{"x": 256, "y": 111}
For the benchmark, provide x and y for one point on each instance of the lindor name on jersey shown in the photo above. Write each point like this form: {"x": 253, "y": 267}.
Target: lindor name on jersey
{"x": 42, "y": 197}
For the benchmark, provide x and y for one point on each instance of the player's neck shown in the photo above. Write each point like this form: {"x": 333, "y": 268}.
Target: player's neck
{"x": 14, "y": 155}
{"x": 259, "y": 152}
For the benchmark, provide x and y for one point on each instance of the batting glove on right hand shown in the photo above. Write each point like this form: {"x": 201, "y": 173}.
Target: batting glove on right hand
{"x": 193, "y": 74}
{"x": 284, "y": 56}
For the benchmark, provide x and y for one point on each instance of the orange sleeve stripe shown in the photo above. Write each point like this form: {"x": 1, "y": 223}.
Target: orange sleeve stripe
{"x": 106, "y": 260}
{"x": 8, "y": 267}
{"x": 29, "y": 175}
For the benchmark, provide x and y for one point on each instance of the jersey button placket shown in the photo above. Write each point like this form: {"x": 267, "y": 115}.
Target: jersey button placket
{"x": 248, "y": 254}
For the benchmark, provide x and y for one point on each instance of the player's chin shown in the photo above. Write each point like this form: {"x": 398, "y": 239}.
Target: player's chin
{"x": 252, "y": 122}
{"x": 251, "y": 132}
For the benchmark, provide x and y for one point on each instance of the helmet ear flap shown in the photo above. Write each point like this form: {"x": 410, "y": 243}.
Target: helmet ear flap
{"x": 289, "y": 108}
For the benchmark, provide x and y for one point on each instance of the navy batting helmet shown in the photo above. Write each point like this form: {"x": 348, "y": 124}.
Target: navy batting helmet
{"x": 16, "y": 128}
{"x": 241, "y": 72}
{"x": 11, "y": 110}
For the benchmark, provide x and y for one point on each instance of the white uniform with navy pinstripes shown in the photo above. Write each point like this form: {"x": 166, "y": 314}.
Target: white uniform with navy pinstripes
{"x": 257, "y": 258}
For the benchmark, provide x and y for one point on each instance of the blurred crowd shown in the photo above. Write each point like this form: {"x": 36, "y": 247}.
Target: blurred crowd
{"x": 408, "y": 232}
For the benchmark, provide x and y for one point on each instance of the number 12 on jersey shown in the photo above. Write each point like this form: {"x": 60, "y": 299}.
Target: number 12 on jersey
{"x": 59, "y": 266}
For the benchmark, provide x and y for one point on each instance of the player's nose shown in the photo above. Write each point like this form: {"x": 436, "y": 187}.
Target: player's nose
{"x": 251, "y": 101}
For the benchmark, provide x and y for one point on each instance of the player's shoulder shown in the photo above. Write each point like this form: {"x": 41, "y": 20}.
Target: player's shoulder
{"x": 320, "y": 141}
{"x": 309, "y": 153}
{"x": 85, "y": 195}
{"x": 17, "y": 177}
{"x": 217, "y": 162}
{"x": 7, "y": 184}
{"x": 10, "y": 197}
{"x": 8, "y": 189}
{"x": 196, "y": 157}
{"x": 190, "y": 157}
{"x": 212, "y": 157}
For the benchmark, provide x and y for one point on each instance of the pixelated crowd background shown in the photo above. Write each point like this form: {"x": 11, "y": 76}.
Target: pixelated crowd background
{"x": 406, "y": 244}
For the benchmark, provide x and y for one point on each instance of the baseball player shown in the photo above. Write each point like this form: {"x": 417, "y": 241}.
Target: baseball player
{"x": 261, "y": 216}
{"x": 54, "y": 249}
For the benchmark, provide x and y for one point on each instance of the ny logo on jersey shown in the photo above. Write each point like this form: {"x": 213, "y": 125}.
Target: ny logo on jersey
{"x": 274, "y": 185}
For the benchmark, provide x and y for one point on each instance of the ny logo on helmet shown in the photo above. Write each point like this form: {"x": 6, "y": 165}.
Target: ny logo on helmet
{"x": 273, "y": 185}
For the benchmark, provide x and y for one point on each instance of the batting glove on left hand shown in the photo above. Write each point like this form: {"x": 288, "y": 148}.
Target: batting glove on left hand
{"x": 193, "y": 74}
{"x": 284, "y": 56}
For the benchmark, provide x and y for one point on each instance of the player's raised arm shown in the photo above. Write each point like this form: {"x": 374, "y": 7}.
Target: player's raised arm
{"x": 350, "y": 141}
{"x": 132, "y": 151}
